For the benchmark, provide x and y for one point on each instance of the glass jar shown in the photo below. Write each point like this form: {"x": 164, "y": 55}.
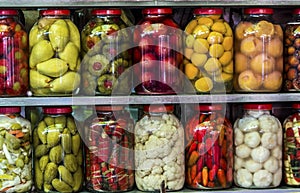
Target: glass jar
{"x": 15, "y": 153}
{"x": 54, "y": 59}
{"x": 258, "y": 148}
{"x": 291, "y": 126}
{"x": 158, "y": 53}
{"x": 291, "y": 73}
{"x": 209, "y": 149}
{"x": 208, "y": 51}
{"x": 105, "y": 48}
{"x": 258, "y": 52}
{"x": 109, "y": 150}
{"x": 159, "y": 150}
{"x": 58, "y": 152}
{"x": 13, "y": 54}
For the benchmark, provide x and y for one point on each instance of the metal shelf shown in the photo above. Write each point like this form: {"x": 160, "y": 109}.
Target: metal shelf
{"x": 157, "y": 99}
{"x": 142, "y": 3}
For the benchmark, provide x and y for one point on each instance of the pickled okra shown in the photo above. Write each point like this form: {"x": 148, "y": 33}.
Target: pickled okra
{"x": 57, "y": 152}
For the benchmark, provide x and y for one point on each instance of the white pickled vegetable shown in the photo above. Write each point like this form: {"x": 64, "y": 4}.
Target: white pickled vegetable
{"x": 252, "y": 139}
{"x": 248, "y": 124}
{"x": 243, "y": 178}
{"x": 260, "y": 154}
{"x": 271, "y": 164}
{"x": 242, "y": 151}
{"x": 252, "y": 166}
{"x": 262, "y": 179}
{"x": 269, "y": 140}
{"x": 239, "y": 137}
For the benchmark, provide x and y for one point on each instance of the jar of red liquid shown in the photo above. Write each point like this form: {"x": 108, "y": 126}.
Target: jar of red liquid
{"x": 109, "y": 150}
{"x": 13, "y": 54}
{"x": 291, "y": 73}
{"x": 209, "y": 150}
{"x": 258, "y": 52}
{"x": 157, "y": 54}
{"x": 291, "y": 126}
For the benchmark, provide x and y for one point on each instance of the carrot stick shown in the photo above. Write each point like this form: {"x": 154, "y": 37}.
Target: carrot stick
{"x": 205, "y": 176}
{"x": 221, "y": 177}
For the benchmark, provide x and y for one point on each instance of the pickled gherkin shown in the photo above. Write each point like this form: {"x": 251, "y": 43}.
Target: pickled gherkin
{"x": 15, "y": 151}
{"x": 105, "y": 44}
{"x": 58, "y": 162}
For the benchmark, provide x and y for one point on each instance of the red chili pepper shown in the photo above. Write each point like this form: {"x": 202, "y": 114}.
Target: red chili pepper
{"x": 223, "y": 164}
{"x": 197, "y": 180}
{"x": 201, "y": 148}
{"x": 209, "y": 162}
{"x": 216, "y": 154}
{"x": 202, "y": 118}
{"x": 212, "y": 173}
{"x": 192, "y": 148}
{"x": 200, "y": 164}
{"x": 222, "y": 178}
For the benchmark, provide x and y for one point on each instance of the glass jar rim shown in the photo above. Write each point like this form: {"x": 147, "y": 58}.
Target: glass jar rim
{"x": 267, "y": 11}
{"x": 209, "y": 107}
{"x": 9, "y": 110}
{"x": 155, "y": 108}
{"x": 55, "y": 12}
{"x": 57, "y": 110}
{"x": 108, "y": 108}
{"x": 258, "y": 106}
{"x": 9, "y": 12}
{"x": 157, "y": 11}
{"x": 208, "y": 11}
{"x": 106, "y": 12}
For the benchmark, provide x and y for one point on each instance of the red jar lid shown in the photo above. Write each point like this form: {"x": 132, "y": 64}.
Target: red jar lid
{"x": 209, "y": 107}
{"x": 55, "y": 12}
{"x": 8, "y": 110}
{"x": 158, "y": 108}
{"x": 157, "y": 11}
{"x": 109, "y": 108}
{"x": 9, "y": 12}
{"x": 208, "y": 11}
{"x": 296, "y": 106}
{"x": 267, "y": 11}
{"x": 106, "y": 12}
{"x": 57, "y": 110}
{"x": 296, "y": 11}
{"x": 258, "y": 106}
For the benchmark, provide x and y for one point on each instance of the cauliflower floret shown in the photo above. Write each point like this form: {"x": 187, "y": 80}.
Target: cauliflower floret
{"x": 148, "y": 164}
{"x": 142, "y": 173}
{"x": 242, "y": 151}
{"x": 277, "y": 178}
{"x": 157, "y": 147}
{"x": 172, "y": 171}
{"x": 256, "y": 113}
{"x": 277, "y": 152}
{"x": 271, "y": 164}
{"x": 252, "y": 166}
{"x": 260, "y": 154}
{"x": 156, "y": 170}
{"x": 262, "y": 178}
{"x": 238, "y": 137}
{"x": 252, "y": 139}
{"x": 247, "y": 124}
{"x": 176, "y": 184}
{"x": 269, "y": 140}
{"x": 243, "y": 178}
{"x": 279, "y": 137}
{"x": 150, "y": 182}
{"x": 268, "y": 123}
{"x": 238, "y": 163}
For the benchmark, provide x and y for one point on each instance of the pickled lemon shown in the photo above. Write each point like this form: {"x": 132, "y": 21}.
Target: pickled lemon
{"x": 201, "y": 46}
{"x": 264, "y": 28}
{"x": 201, "y": 31}
{"x": 198, "y": 59}
{"x": 216, "y": 50}
{"x": 191, "y": 71}
{"x": 205, "y": 21}
{"x": 227, "y": 43}
{"x": 219, "y": 27}
{"x": 212, "y": 65}
{"x": 190, "y": 26}
{"x": 215, "y": 38}
{"x": 204, "y": 84}
{"x": 228, "y": 30}
{"x": 226, "y": 58}
{"x": 189, "y": 41}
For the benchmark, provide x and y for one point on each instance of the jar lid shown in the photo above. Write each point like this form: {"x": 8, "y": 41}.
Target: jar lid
{"x": 55, "y": 12}
{"x": 267, "y": 11}
{"x": 157, "y": 11}
{"x": 208, "y": 11}
{"x": 7, "y": 110}
{"x": 57, "y": 110}
{"x": 106, "y": 12}
{"x": 9, "y": 12}
{"x": 296, "y": 106}
{"x": 296, "y": 11}
{"x": 158, "y": 108}
{"x": 209, "y": 107}
{"x": 258, "y": 106}
{"x": 109, "y": 108}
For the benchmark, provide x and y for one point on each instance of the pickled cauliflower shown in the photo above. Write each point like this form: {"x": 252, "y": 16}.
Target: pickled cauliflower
{"x": 159, "y": 153}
